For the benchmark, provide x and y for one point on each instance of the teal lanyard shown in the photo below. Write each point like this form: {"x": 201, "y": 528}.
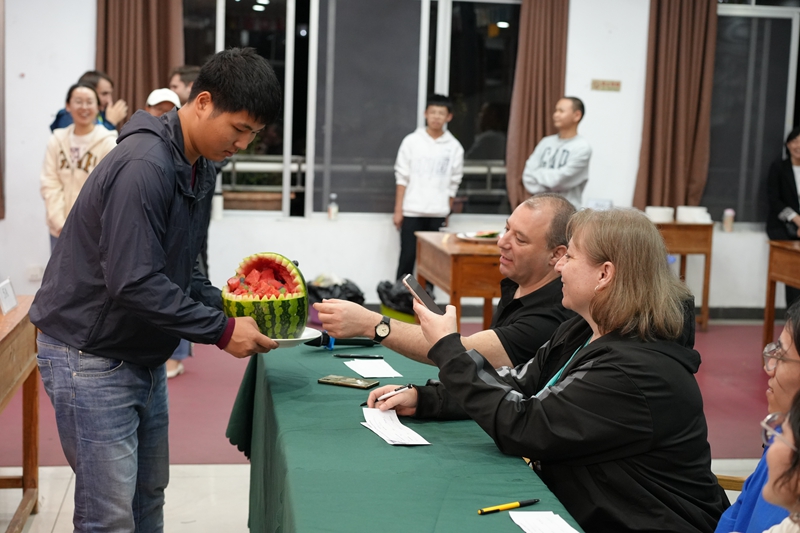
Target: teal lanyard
{"x": 555, "y": 378}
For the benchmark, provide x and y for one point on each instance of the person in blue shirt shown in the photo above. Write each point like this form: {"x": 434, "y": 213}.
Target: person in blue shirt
{"x": 751, "y": 513}
{"x": 111, "y": 113}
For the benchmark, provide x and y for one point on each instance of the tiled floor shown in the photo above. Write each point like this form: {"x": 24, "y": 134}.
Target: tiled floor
{"x": 199, "y": 499}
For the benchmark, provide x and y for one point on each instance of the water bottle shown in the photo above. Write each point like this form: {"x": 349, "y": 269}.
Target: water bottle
{"x": 727, "y": 219}
{"x": 333, "y": 207}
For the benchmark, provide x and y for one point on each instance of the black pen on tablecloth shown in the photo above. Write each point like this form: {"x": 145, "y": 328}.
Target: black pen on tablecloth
{"x": 390, "y": 394}
{"x": 357, "y": 356}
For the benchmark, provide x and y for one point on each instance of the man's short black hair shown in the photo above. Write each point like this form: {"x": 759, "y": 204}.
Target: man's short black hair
{"x": 239, "y": 79}
{"x": 440, "y": 100}
{"x": 187, "y": 73}
{"x": 93, "y": 77}
{"x": 577, "y": 105}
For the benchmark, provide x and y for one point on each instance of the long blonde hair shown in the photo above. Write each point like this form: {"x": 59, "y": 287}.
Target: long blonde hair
{"x": 644, "y": 297}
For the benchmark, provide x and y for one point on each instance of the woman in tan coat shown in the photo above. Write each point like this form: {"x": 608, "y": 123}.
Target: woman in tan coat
{"x": 72, "y": 153}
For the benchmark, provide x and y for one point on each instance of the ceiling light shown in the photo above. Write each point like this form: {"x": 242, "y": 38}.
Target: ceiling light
{"x": 258, "y": 7}
{"x": 503, "y": 25}
{"x": 262, "y": 2}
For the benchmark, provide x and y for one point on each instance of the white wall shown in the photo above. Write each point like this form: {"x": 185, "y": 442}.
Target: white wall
{"x": 363, "y": 247}
{"x": 48, "y": 46}
{"x": 608, "y": 40}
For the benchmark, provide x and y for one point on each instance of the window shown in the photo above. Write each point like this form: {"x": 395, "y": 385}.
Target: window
{"x": 752, "y": 107}
{"x": 483, "y": 54}
{"x": 367, "y": 93}
{"x": 366, "y": 99}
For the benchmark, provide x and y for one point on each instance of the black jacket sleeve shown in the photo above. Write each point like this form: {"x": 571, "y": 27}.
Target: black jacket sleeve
{"x": 434, "y": 402}
{"x": 781, "y": 193}
{"x": 133, "y": 257}
{"x": 203, "y": 290}
{"x": 594, "y": 411}
{"x": 778, "y": 200}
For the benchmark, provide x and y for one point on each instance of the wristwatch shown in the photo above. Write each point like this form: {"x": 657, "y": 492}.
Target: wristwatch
{"x": 382, "y": 330}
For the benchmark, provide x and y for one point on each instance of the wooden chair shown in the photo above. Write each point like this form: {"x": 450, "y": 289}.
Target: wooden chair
{"x": 731, "y": 482}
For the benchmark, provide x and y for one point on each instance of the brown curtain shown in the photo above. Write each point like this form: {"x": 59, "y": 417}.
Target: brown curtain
{"x": 673, "y": 162}
{"x": 138, "y": 43}
{"x": 538, "y": 84}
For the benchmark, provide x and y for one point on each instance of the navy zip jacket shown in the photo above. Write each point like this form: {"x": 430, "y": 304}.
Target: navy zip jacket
{"x": 122, "y": 281}
{"x": 620, "y": 438}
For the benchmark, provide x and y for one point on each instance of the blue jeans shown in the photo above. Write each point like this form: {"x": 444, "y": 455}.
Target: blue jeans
{"x": 112, "y": 419}
{"x": 183, "y": 351}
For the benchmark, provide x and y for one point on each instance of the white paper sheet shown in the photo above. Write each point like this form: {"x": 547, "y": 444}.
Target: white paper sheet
{"x": 373, "y": 369}
{"x": 540, "y": 522}
{"x": 388, "y": 427}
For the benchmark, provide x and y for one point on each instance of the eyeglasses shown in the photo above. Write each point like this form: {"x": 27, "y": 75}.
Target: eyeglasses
{"x": 770, "y": 427}
{"x": 82, "y": 103}
{"x": 773, "y": 352}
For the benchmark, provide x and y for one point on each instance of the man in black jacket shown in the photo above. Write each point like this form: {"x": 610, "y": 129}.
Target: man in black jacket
{"x": 121, "y": 289}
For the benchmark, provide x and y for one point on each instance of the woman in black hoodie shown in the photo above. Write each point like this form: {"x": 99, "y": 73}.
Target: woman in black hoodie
{"x": 608, "y": 410}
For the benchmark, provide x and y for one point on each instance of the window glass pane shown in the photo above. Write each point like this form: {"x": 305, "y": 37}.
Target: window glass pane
{"x": 482, "y": 60}
{"x": 199, "y": 21}
{"x": 254, "y": 181}
{"x": 748, "y": 113}
{"x": 368, "y": 93}
{"x": 781, "y": 3}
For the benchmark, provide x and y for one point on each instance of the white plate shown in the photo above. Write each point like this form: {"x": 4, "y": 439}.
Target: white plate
{"x": 308, "y": 334}
{"x": 470, "y": 236}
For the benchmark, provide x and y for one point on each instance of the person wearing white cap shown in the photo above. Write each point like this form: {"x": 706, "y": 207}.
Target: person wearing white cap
{"x": 162, "y": 101}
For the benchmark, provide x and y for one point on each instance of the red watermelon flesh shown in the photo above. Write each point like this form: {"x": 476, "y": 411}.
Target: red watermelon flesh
{"x": 263, "y": 278}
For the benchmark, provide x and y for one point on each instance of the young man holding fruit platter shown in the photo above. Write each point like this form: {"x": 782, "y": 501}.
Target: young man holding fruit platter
{"x": 121, "y": 289}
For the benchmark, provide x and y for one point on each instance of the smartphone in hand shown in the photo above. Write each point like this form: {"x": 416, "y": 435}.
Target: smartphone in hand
{"x": 421, "y": 294}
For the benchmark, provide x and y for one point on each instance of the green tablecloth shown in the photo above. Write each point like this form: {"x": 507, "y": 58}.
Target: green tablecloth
{"x": 314, "y": 468}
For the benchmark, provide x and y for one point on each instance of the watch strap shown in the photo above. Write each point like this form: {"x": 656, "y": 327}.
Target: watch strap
{"x": 380, "y": 338}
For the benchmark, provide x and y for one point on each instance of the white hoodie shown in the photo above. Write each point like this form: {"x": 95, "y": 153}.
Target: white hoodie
{"x": 431, "y": 170}
{"x": 60, "y": 180}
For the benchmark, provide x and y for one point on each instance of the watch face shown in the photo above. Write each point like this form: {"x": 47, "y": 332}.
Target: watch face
{"x": 382, "y": 329}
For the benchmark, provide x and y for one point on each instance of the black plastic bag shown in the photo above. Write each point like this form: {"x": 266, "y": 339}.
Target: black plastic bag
{"x": 344, "y": 291}
{"x": 396, "y": 296}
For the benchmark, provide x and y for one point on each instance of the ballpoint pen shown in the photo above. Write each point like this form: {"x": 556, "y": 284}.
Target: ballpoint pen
{"x": 507, "y": 506}
{"x": 391, "y": 393}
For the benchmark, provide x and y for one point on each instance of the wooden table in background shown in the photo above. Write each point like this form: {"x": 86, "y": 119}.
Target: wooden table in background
{"x": 18, "y": 368}
{"x": 784, "y": 266}
{"x": 460, "y": 268}
{"x": 684, "y": 238}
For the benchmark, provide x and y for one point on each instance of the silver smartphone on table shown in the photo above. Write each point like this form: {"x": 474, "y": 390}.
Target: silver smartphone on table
{"x": 421, "y": 294}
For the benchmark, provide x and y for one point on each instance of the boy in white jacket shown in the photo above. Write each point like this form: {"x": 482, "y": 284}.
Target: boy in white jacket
{"x": 72, "y": 153}
{"x": 428, "y": 171}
